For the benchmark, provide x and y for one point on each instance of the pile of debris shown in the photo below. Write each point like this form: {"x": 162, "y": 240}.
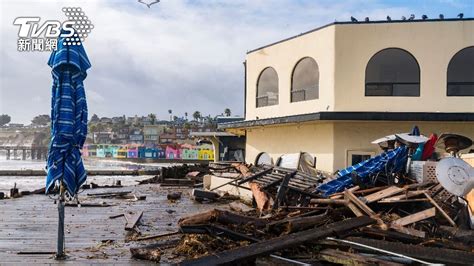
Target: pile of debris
{"x": 388, "y": 217}
{"x": 179, "y": 175}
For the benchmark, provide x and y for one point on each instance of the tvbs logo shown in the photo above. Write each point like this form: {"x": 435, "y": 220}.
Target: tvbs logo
{"x": 36, "y": 36}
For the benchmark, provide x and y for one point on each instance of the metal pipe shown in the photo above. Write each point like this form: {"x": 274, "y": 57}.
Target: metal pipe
{"x": 60, "y": 255}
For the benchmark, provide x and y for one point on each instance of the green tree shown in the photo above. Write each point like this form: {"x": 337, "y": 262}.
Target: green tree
{"x": 152, "y": 118}
{"x": 170, "y": 112}
{"x": 186, "y": 115}
{"x": 227, "y": 112}
{"x": 4, "y": 119}
{"x": 196, "y": 115}
{"x": 94, "y": 118}
{"x": 41, "y": 120}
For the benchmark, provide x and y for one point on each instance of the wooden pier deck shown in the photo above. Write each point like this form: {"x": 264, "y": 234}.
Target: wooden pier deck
{"x": 29, "y": 224}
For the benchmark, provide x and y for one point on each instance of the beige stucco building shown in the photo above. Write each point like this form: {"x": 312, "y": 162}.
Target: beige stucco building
{"x": 333, "y": 90}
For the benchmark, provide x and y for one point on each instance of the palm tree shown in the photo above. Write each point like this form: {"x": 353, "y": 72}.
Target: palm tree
{"x": 152, "y": 118}
{"x": 227, "y": 112}
{"x": 170, "y": 112}
{"x": 186, "y": 115}
{"x": 196, "y": 115}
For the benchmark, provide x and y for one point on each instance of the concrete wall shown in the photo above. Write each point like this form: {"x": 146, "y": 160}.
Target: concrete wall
{"x": 331, "y": 142}
{"x": 342, "y": 52}
{"x": 314, "y": 138}
{"x": 283, "y": 58}
{"x": 433, "y": 44}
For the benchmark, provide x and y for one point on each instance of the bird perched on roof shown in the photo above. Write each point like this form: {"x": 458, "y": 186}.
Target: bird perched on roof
{"x": 441, "y": 16}
{"x": 353, "y": 19}
{"x": 149, "y": 4}
{"x": 367, "y": 19}
{"x": 460, "y": 15}
{"x": 404, "y": 18}
{"x": 424, "y": 17}
{"x": 389, "y": 18}
{"x": 412, "y": 17}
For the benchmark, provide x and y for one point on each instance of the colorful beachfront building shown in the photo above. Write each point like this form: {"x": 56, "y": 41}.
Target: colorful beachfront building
{"x": 132, "y": 152}
{"x": 172, "y": 152}
{"x": 205, "y": 152}
{"x": 188, "y": 152}
{"x": 122, "y": 153}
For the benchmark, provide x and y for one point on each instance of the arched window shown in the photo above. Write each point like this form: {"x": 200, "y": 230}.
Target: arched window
{"x": 305, "y": 80}
{"x": 392, "y": 72}
{"x": 461, "y": 73}
{"x": 267, "y": 87}
{"x": 263, "y": 159}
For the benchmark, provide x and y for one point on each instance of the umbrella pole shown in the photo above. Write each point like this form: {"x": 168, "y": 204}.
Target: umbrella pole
{"x": 60, "y": 255}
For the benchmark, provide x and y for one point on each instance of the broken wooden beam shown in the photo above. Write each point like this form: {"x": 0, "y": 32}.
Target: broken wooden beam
{"x": 221, "y": 216}
{"x": 348, "y": 195}
{"x": 416, "y": 217}
{"x": 132, "y": 219}
{"x": 267, "y": 247}
{"x": 441, "y": 255}
{"x": 347, "y": 258}
{"x": 382, "y": 194}
{"x": 433, "y": 202}
{"x": 200, "y": 194}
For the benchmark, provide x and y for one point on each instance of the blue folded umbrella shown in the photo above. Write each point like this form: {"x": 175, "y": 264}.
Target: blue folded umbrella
{"x": 69, "y": 64}
{"x": 394, "y": 161}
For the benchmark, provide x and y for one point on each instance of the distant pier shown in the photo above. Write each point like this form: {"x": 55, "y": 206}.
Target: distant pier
{"x": 25, "y": 152}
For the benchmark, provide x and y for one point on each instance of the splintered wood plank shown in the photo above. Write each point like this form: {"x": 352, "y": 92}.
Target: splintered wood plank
{"x": 354, "y": 209}
{"x": 132, "y": 219}
{"x": 405, "y": 196}
{"x": 408, "y": 231}
{"x": 350, "y": 196}
{"x": 416, "y": 217}
{"x": 383, "y": 194}
{"x": 440, "y": 209}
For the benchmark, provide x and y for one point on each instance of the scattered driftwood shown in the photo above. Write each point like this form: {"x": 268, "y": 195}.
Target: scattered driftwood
{"x": 146, "y": 254}
{"x": 200, "y": 195}
{"x": 156, "y": 236}
{"x": 266, "y": 247}
{"x": 174, "y": 196}
{"x": 221, "y": 216}
{"x": 296, "y": 224}
{"x": 87, "y": 205}
{"x": 132, "y": 219}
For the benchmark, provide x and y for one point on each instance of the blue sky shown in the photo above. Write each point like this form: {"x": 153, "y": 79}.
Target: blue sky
{"x": 182, "y": 55}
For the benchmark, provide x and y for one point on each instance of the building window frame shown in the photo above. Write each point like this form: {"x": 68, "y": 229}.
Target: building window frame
{"x": 265, "y": 98}
{"x": 350, "y": 153}
{"x": 449, "y": 92}
{"x": 391, "y": 85}
{"x": 304, "y": 90}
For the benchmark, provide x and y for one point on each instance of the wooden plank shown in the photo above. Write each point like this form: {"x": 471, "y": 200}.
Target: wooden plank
{"x": 408, "y": 231}
{"x": 354, "y": 209}
{"x": 440, "y": 209}
{"x": 132, "y": 219}
{"x": 382, "y": 194}
{"x": 282, "y": 190}
{"x": 266, "y": 247}
{"x": 350, "y": 196}
{"x": 430, "y": 254}
{"x": 347, "y": 258}
{"x": 405, "y": 196}
{"x": 416, "y": 217}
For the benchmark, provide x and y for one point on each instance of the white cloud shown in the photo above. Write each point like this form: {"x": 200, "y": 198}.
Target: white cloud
{"x": 180, "y": 54}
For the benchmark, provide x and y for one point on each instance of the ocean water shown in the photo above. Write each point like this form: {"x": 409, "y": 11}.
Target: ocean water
{"x": 36, "y": 182}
